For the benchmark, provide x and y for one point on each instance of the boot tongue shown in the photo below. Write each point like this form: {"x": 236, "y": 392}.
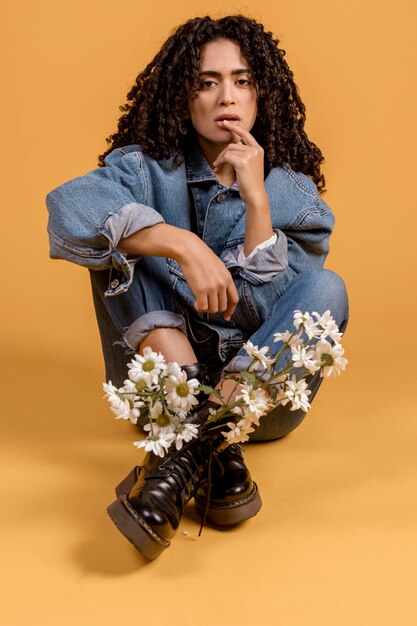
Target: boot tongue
{"x": 203, "y": 412}
{"x": 151, "y": 461}
{"x": 197, "y": 370}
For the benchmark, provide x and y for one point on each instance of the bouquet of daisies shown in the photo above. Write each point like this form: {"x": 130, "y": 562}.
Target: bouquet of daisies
{"x": 161, "y": 393}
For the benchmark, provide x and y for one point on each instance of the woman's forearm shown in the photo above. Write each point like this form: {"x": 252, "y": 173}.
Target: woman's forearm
{"x": 158, "y": 240}
{"x": 209, "y": 279}
{"x": 258, "y": 224}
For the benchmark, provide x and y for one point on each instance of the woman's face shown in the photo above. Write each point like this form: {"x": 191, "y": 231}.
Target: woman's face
{"x": 227, "y": 91}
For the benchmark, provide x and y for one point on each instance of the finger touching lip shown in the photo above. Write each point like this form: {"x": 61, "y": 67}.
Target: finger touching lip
{"x": 224, "y": 123}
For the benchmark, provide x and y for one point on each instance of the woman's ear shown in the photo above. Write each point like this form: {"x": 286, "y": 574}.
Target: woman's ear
{"x": 187, "y": 115}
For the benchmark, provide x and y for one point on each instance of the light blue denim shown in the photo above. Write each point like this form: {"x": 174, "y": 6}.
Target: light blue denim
{"x": 89, "y": 216}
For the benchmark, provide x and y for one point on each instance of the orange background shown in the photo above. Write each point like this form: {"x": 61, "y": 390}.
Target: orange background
{"x": 335, "y": 542}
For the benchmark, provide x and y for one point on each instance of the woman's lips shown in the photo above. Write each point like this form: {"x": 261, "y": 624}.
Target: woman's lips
{"x": 220, "y": 122}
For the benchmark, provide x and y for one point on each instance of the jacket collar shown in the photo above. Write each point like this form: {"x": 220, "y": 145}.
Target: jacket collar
{"x": 197, "y": 168}
{"x": 196, "y": 165}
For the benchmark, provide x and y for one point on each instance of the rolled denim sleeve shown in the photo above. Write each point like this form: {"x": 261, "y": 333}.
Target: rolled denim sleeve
{"x": 264, "y": 262}
{"x": 89, "y": 215}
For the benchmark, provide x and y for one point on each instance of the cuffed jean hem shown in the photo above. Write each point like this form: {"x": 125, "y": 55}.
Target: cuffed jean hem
{"x": 240, "y": 363}
{"x": 141, "y": 327}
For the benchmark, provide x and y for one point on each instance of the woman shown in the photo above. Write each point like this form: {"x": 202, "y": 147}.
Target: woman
{"x": 204, "y": 227}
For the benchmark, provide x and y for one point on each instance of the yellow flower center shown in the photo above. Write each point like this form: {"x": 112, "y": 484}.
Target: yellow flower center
{"x": 327, "y": 359}
{"x": 162, "y": 420}
{"x": 182, "y": 390}
{"x": 140, "y": 385}
{"x": 148, "y": 366}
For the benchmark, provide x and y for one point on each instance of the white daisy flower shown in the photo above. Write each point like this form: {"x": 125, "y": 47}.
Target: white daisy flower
{"x": 111, "y": 392}
{"x": 238, "y": 433}
{"x": 135, "y": 403}
{"x": 329, "y": 326}
{"x": 184, "y": 433}
{"x": 250, "y": 417}
{"x": 288, "y": 338}
{"x": 172, "y": 369}
{"x": 215, "y": 411}
{"x": 302, "y": 357}
{"x": 156, "y": 410}
{"x": 118, "y": 404}
{"x": 295, "y": 392}
{"x": 259, "y": 354}
{"x": 159, "y": 442}
{"x": 160, "y": 417}
{"x": 246, "y": 423}
{"x": 256, "y": 401}
{"x": 178, "y": 415}
{"x": 147, "y": 366}
{"x": 305, "y": 321}
{"x": 330, "y": 358}
{"x": 180, "y": 392}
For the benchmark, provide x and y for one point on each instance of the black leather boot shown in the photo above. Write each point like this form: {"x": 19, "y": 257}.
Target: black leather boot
{"x": 228, "y": 496}
{"x": 233, "y": 496}
{"x": 149, "y": 515}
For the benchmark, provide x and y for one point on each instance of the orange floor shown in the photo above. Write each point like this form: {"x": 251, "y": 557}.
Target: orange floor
{"x": 334, "y": 543}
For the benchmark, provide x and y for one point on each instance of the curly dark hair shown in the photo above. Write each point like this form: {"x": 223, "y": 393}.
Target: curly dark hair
{"x": 154, "y": 114}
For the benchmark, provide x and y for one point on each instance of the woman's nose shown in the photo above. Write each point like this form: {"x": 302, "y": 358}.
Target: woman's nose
{"x": 227, "y": 96}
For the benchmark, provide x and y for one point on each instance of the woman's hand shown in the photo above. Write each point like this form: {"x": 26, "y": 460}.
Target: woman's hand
{"x": 209, "y": 279}
{"x": 247, "y": 158}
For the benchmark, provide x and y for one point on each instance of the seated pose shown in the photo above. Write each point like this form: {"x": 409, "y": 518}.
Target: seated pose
{"x": 203, "y": 228}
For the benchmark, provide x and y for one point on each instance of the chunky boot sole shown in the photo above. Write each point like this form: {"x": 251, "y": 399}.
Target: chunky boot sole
{"x": 135, "y": 529}
{"x": 224, "y": 514}
{"x": 229, "y": 513}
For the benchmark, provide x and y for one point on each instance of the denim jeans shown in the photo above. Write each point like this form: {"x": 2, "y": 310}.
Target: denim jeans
{"x": 154, "y": 300}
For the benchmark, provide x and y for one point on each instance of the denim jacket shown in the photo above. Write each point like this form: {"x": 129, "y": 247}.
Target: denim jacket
{"x": 89, "y": 215}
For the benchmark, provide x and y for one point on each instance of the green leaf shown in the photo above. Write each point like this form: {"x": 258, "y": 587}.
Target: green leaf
{"x": 205, "y": 389}
{"x": 250, "y": 376}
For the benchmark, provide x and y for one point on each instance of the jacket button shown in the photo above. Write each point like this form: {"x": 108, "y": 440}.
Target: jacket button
{"x": 114, "y": 283}
{"x": 222, "y": 197}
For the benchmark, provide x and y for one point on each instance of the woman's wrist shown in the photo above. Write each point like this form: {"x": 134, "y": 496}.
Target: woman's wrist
{"x": 258, "y": 223}
{"x": 258, "y": 202}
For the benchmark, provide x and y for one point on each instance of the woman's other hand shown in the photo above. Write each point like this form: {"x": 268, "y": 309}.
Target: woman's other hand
{"x": 209, "y": 279}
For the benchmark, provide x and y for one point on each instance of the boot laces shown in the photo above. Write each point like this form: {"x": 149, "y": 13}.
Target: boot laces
{"x": 186, "y": 466}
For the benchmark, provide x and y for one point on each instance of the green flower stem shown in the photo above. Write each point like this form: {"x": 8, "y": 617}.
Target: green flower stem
{"x": 150, "y": 418}
{"x": 233, "y": 390}
{"x": 278, "y": 355}
{"x": 224, "y": 411}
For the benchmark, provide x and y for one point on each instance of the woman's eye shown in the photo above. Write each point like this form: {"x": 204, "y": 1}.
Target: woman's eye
{"x": 207, "y": 84}
{"x": 243, "y": 82}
